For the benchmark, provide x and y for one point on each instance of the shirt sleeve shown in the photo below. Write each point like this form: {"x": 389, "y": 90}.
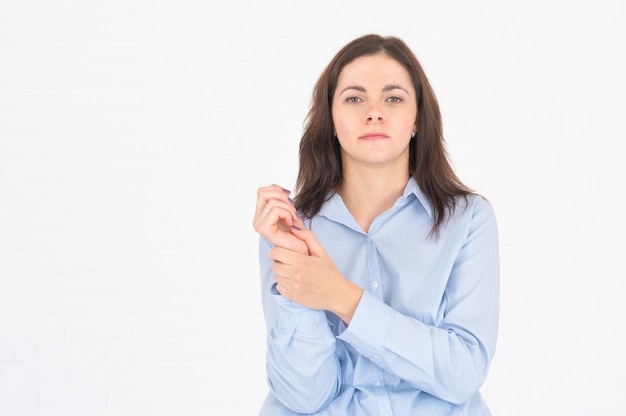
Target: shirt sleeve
{"x": 302, "y": 367}
{"x": 450, "y": 360}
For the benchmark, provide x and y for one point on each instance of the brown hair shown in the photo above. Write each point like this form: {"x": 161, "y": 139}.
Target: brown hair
{"x": 320, "y": 168}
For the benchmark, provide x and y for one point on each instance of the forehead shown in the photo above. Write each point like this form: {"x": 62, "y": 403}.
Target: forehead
{"x": 374, "y": 69}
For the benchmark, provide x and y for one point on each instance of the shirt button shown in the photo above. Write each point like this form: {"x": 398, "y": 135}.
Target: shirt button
{"x": 378, "y": 383}
{"x": 375, "y": 284}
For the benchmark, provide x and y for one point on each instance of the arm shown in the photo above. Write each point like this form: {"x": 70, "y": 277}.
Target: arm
{"x": 302, "y": 367}
{"x": 449, "y": 360}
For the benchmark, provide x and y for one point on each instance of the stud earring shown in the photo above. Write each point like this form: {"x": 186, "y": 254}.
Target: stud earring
{"x": 412, "y": 135}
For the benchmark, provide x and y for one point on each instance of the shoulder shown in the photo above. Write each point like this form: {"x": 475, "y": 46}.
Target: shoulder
{"x": 481, "y": 215}
{"x": 475, "y": 209}
{"x": 475, "y": 203}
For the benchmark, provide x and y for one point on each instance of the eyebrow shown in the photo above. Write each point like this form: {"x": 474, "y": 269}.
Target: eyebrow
{"x": 385, "y": 89}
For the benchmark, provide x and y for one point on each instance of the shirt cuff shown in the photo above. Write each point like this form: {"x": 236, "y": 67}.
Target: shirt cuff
{"x": 291, "y": 313}
{"x": 370, "y": 323}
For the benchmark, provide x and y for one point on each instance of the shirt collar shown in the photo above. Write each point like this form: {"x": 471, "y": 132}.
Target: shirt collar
{"x": 335, "y": 208}
{"x": 412, "y": 188}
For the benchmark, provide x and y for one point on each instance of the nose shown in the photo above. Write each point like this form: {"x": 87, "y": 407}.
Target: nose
{"x": 374, "y": 115}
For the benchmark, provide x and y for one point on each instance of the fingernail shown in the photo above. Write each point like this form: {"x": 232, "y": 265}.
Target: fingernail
{"x": 287, "y": 190}
{"x": 296, "y": 228}
{"x": 291, "y": 201}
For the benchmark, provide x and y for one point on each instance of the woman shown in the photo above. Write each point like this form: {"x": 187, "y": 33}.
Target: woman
{"x": 380, "y": 278}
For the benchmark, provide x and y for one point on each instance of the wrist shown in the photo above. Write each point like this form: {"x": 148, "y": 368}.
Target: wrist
{"x": 347, "y": 304}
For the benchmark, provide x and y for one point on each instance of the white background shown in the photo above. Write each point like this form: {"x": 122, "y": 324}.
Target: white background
{"x": 133, "y": 136}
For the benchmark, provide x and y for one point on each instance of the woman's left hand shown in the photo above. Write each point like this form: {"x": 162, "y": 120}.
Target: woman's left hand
{"x": 313, "y": 280}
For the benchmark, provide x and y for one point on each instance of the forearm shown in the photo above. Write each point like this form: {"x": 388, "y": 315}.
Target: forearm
{"x": 448, "y": 364}
{"x": 302, "y": 367}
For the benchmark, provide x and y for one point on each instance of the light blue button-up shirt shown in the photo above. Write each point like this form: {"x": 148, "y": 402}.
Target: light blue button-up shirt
{"x": 424, "y": 332}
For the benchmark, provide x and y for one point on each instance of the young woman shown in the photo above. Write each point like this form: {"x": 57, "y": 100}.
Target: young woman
{"x": 380, "y": 278}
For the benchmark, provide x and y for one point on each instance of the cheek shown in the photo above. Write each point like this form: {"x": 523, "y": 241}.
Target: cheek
{"x": 340, "y": 121}
{"x": 408, "y": 122}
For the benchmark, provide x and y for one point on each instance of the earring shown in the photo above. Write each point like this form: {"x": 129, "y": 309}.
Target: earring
{"x": 412, "y": 135}
{"x": 335, "y": 133}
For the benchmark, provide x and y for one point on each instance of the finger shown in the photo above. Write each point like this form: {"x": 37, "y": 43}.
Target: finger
{"x": 287, "y": 206}
{"x": 282, "y": 290}
{"x": 297, "y": 221}
{"x": 276, "y": 228}
{"x": 288, "y": 241}
{"x": 282, "y": 256}
{"x": 273, "y": 195}
{"x": 284, "y": 285}
{"x": 269, "y": 215}
{"x": 265, "y": 193}
{"x": 315, "y": 248}
{"x": 279, "y": 213}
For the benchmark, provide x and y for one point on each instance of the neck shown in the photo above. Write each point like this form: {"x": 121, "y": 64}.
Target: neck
{"x": 368, "y": 192}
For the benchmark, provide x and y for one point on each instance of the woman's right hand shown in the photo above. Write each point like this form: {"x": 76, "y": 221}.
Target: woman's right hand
{"x": 274, "y": 215}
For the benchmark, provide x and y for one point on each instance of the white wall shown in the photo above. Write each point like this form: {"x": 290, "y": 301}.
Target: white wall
{"x": 133, "y": 135}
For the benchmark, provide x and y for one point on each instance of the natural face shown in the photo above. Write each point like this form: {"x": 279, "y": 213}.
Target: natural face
{"x": 374, "y": 112}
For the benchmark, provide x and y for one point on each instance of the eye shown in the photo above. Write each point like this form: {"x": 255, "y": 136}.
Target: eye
{"x": 353, "y": 99}
{"x": 394, "y": 99}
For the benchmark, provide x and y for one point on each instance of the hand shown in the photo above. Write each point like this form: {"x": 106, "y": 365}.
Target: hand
{"x": 274, "y": 216}
{"x": 313, "y": 280}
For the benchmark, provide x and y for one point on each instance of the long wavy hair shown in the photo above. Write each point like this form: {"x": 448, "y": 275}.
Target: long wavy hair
{"x": 320, "y": 167}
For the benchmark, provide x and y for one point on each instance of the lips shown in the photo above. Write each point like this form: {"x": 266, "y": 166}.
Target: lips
{"x": 374, "y": 136}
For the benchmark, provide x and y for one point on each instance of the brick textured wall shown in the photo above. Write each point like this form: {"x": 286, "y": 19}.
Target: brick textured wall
{"x": 133, "y": 135}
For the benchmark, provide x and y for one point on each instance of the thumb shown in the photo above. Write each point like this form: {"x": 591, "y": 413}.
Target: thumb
{"x": 315, "y": 248}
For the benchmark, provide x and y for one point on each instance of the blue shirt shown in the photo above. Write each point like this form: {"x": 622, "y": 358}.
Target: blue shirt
{"x": 424, "y": 332}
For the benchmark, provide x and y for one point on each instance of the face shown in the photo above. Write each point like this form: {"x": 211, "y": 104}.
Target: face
{"x": 374, "y": 112}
